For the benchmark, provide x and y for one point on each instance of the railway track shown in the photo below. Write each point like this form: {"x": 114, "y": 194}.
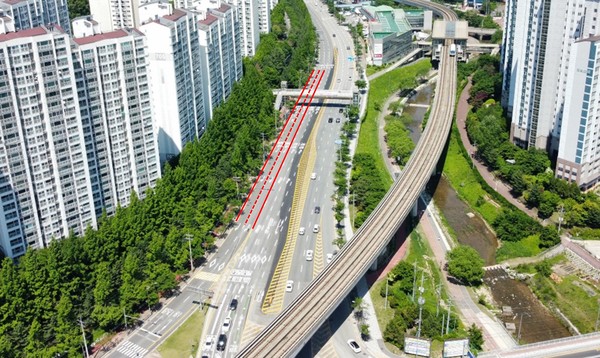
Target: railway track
{"x": 293, "y": 327}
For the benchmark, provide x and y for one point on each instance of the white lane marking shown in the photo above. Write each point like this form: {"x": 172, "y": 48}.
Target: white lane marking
{"x": 227, "y": 251}
{"x": 301, "y": 266}
{"x": 212, "y": 263}
{"x": 187, "y": 298}
{"x": 287, "y": 192}
{"x": 221, "y": 266}
{"x": 147, "y": 331}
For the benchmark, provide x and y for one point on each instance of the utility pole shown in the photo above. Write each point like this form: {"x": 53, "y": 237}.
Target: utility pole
{"x": 414, "y": 282}
{"x": 189, "y": 239}
{"x": 597, "y": 317}
{"x": 85, "y": 348}
{"x": 387, "y": 280}
{"x": 443, "y": 317}
{"x": 520, "y": 323}
{"x": 448, "y": 321}
{"x": 263, "y": 145}
{"x": 438, "y": 292}
{"x": 421, "y": 303}
{"x": 125, "y": 318}
{"x": 561, "y": 213}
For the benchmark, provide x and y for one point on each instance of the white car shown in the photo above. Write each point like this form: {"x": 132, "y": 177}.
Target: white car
{"x": 210, "y": 340}
{"x": 354, "y": 346}
{"x": 316, "y": 228}
{"x": 301, "y": 232}
{"x": 313, "y": 176}
{"x": 329, "y": 258}
{"x": 309, "y": 255}
{"x": 226, "y": 325}
{"x": 289, "y": 286}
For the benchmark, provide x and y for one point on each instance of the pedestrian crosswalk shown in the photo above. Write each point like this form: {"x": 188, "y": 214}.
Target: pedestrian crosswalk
{"x": 251, "y": 330}
{"x": 207, "y": 276}
{"x": 132, "y": 350}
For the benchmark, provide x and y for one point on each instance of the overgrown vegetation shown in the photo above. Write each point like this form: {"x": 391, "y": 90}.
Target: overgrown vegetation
{"x": 399, "y": 142}
{"x": 370, "y": 179}
{"x": 133, "y": 258}
{"x": 403, "y": 293}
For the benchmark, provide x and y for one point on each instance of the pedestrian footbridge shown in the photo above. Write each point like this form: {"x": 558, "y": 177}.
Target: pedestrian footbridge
{"x": 346, "y": 95}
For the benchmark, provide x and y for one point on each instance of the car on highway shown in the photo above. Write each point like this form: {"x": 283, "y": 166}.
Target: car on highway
{"x": 226, "y": 325}
{"x": 316, "y": 228}
{"x": 333, "y": 35}
{"x": 309, "y": 255}
{"x": 329, "y": 258}
{"x": 222, "y": 343}
{"x": 337, "y": 120}
{"x": 233, "y": 305}
{"x": 313, "y": 176}
{"x": 330, "y": 120}
{"x": 354, "y": 346}
{"x": 210, "y": 340}
{"x": 317, "y": 209}
{"x": 301, "y": 231}
{"x": 289, "y": 286}
{"x": 341, "y": 110}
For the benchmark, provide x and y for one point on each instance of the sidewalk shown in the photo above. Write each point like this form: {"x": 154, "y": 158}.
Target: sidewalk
{"x": 462, "y": 109}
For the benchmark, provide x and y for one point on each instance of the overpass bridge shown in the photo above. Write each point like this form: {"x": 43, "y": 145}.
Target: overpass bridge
{"x": 281, "y": 94}
{"x": 292, "y": 328}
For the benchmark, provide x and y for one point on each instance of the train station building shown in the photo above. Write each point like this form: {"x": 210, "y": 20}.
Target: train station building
{"x": 390, "y": 34}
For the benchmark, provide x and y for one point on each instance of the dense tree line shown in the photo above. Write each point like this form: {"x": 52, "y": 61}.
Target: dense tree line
{"x": 288, "y": 51}
{"x": 134, "y": 257}
{"x": 527, "y": 171}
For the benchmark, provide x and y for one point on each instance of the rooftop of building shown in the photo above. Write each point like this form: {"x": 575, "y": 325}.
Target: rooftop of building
{"x": 12, "y": 2}
{"x": 176, "y": 15}
{"x": 106, "y": 36}
{"x": 208, "y": 20}
{"x": 385, "y": 20}
{"x": 36, "y": 31}
{"x": 450, "y": 30}
{"x": 86, "y": 18}
{"x": 589, "y": 39}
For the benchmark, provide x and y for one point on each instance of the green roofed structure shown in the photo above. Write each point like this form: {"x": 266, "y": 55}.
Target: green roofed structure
{"x": 390, "y": 34}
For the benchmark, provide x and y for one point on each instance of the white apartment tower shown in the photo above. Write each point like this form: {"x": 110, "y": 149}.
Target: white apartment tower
{"x": 221, "y": 54}
{"x": 115, "y": 14}
{"x": 176, "y": 80}
{"x": 579, "y": 151}
{"x": 116, "y": 112}
{"x": 27, "y": 14}
{"x": 45, "y": 187}
{"x": 538, "y": 36}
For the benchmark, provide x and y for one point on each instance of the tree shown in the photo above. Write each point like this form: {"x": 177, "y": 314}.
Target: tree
{"x": 358, "y": 306}
{"x": 475, "y": 338}
{"x": 394, "y": 331}
{"x": 361, "y": 84}
{"x": 549, "y": 236}
{"x": 364, "y": 331}
{"x": 465, "y": 264}
{"x": 544, "y": 268}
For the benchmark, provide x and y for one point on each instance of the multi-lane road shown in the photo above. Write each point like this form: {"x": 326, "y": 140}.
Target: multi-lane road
{"x": 286, "y": 335}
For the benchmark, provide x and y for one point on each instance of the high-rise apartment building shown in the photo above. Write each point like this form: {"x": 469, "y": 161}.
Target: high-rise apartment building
{"x": 538, "y": 36}
{"x": 27, "y": 14}
{"x": 221, "y": 54}
{"x": 195, "y": 58}
{"x": 116, "y": 113}
{"x": 176, "y": 80}
{"x": 45, "y": 187}
{"x": 579, "y": 150}
{"x": 115, "y": 14}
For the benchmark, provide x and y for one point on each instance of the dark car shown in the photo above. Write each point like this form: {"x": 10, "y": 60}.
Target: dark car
{"x": 330, "y": 120}
{"x": 317, "y": 209}
{"x": 222, "y": 342}
{"x": 341, "y": 110}
{"x": 233, "y": 304}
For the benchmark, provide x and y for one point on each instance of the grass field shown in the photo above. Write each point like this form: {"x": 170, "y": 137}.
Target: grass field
{"x": 575, "y": 302}
{"x": 460, "y": 175}
{"x": 184, "y": 342}
{"x": 380, "y": 90}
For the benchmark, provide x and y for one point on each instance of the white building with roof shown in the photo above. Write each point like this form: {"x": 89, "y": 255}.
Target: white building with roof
{"x": 538, "y": 36}
{"x": 176, "y": 80}
{"x": 45, "y": 185}
{"x": 579, "y": 149}
{"x": 390, "y": 34}
{"x": 114, "y": 95}
{"x": 221, "y": 54}
{"x": 27, "y": 14}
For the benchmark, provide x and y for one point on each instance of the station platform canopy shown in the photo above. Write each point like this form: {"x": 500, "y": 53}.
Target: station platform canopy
{"x": 454, "y": 30}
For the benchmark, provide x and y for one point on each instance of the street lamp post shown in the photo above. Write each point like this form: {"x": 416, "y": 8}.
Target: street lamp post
{"x": 237, "y": 185}
{"x": 189, "y": 239}
{"x": 263, "y": 145}
{"x": 421, "y": 303}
